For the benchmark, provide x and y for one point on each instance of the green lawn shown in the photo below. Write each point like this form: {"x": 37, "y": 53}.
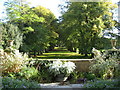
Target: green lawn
{"x": 62, "y": 53}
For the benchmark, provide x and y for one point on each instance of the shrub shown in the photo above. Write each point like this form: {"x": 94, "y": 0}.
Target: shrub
{"x": 89, "y": 76}
{"x": 42, "y": 67}
{"x": 111, "y": 53}
{"x": 104, "y": 68}
{"x": 16, "y": 83}
{"x": 115, "y": 83}
{"x": 48, "y": 70}
{"x": 76, "y": 76}
{"x": 11, "y": 32}
{"x": 12, "y": 61}
{"x": 28, "y": 73}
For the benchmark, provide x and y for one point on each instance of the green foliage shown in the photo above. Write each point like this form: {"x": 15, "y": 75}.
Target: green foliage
{"x": 82, "y": 23}
{"x": 48, "y": 70}
{"x": 45, "y": 76}
{"x": 29, "y": 73}
{"x": 11, "y": 32}
{"x": 103, "y": 43}
{"x": 46, "y": 14}
{"x": 34, "y": 71}
{"x": 19, "y": 11}
{"x": 103, "y": 84}
{"x": 112, "y": 53}
{"x": 40, "y": 34}
{"x": 29, "y": 29}
{"x": 90, "y": 76}
{"x": 16, "y": 83}
{"x": 76, "y": 75}
{"x": 37, "y": 40}
{"x": 42, "y": 67}
{"x": 104, "y": 68}
{"x": 1, "y": 42}
{"x": 37, "y": 24}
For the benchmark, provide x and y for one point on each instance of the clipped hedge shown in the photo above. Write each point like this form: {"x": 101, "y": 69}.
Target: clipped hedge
{"x": 16, "y": 83}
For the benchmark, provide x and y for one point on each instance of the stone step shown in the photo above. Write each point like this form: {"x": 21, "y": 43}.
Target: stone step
{"x": 57, "y": 86}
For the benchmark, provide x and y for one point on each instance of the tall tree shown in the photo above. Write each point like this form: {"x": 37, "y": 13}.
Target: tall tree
{"x": 50, "y": 24}
{"x": 83, "y": 22}
{"x": 19, "y": 12}
{"x": 36, "y": 24}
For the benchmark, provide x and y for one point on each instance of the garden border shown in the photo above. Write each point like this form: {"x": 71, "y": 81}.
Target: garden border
{"x": 82, "y": 65}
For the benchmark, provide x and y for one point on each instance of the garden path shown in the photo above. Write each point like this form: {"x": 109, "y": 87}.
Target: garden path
{"x": 54, "y": 86}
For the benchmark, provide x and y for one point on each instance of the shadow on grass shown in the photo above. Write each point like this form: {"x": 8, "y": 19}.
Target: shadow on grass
{"x": 63, "y": 55}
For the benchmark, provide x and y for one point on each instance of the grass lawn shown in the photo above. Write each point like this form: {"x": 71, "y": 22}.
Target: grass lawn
{"x": 62, "y": 53}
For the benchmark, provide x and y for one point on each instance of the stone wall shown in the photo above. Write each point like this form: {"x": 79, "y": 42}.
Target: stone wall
{"x": 81, "y": 64}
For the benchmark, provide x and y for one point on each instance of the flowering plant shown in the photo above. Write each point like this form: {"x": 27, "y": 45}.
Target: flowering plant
{"x": 60, "y": 67}
{"x": 12, "y": 61}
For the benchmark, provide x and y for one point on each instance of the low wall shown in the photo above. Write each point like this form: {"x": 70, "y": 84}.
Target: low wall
{"x": 82, "y": 65}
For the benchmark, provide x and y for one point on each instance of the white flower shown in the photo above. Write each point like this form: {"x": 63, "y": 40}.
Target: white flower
{"x": 58, "y": 67}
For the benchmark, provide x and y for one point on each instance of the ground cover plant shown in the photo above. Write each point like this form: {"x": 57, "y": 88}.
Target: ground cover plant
{"x": 8, "y": 82}
{"x": 81, "y": 77}
{"x": 104, "y": 84}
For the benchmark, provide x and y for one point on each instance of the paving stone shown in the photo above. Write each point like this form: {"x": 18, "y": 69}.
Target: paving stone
{"x": 56, "y": 86}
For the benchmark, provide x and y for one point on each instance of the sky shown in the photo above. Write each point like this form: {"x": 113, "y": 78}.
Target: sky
{"x": 50, "y": 4}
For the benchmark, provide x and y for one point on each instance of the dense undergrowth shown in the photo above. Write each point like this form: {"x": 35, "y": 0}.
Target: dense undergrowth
{"x": 103, "y": 73}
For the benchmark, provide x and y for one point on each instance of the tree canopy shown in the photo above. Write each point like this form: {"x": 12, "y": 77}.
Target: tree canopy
{"x": 36, "y": 24}
{"x": 79, "y": 28}
{"x": 82, "y": 24}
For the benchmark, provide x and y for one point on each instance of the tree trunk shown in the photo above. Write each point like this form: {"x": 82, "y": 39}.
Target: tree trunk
{"x": 86, "y": 55}
{"x": 29, "y": 54}
{"x": 34, "y": 53}
{"x": 46, "y": 51}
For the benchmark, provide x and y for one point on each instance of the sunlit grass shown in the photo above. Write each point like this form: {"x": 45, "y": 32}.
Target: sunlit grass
{"x": 63, "y": 54}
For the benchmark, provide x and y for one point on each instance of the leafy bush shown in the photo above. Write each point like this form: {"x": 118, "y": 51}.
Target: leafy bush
{"x": 11, "y": 32}
{"x": 28, "y": 73}
{"x": 111, "y": 53}
{"x": 115, "y": 83}
{"x": 89, "y": 76}
{"x": 16, "y": 83}
{"x": 42, "y": 67}
{"x": 104, "y": 68}
{"x": 48, "y": 70}
{"x": 76, "y": 75}
{"x": 12, "y": 61}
